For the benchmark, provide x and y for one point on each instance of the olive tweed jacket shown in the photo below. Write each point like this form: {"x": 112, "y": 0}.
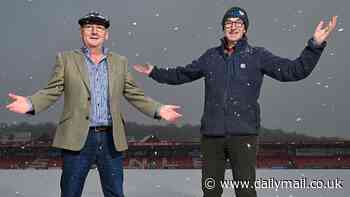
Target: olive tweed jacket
{"x": 70, "y": 77}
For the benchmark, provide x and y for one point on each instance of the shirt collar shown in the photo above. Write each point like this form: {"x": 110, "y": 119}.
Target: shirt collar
{"x": 86, "y": 52}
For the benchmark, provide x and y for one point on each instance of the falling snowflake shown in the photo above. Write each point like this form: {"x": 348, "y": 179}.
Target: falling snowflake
{"x": 249, "y": 145}
{"x": 331, "y": 54}
{"x": 157, "y": 14}
{"x": 341, "y": 29}
{"x": 134, "y": 23}
{"x": 318, "y": 83}
{"x": 188, "y": 178}
{"x": 326, "y": 86}
{"x": 137, "y": 54}
{"x": 130, "y": 33}
{"x": 210, "y": 28}
{"x": 30, "y": 77}
{"x": 324, "y": 105}
{"x": 165, "y": 49}
{"x": 298, "y": 119}
{"x": 157, "y": 186}
{"x": 176, "y": 28}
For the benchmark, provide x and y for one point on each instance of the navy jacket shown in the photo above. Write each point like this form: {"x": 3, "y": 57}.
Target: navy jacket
{"x": 233, "y": 83}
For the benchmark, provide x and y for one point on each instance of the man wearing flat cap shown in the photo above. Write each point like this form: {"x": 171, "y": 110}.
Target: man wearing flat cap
{"x": 233, "y": 74}
{"x": 91, "y": 128}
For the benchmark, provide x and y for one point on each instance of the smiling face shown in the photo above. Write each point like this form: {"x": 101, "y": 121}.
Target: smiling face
{"x": 93, "y": 35}
{"x": 234, "y": 29}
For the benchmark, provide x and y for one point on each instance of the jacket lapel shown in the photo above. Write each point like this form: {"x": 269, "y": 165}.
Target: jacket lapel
{"x": 80, "y": 62}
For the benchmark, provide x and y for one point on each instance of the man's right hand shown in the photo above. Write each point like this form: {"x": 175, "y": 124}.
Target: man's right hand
{"x": 145, "y": 69}
{"x": 20, "y": 104}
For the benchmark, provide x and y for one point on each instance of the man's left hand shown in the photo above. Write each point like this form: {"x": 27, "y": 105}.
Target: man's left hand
{"x": 323, "y": 30}
{"x": 168, "y": 113}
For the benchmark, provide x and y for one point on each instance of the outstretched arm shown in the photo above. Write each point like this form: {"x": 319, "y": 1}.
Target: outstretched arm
{"x": 174, "y": 76}
{"x": 284, "y": 69}
{"x": 42, "y": 99}
{"x": 148, "y": 106}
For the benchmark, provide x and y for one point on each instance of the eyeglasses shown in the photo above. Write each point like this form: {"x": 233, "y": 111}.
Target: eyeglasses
{"x": 98, "y": 28}
{"x": 230, "y": 24}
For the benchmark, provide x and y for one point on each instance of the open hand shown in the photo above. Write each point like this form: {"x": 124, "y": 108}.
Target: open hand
{"x": 168, "y": 113}
{"x": 143, "y": 68}
{"x": 323, "y": 30}
{"x": 19, "y": 105}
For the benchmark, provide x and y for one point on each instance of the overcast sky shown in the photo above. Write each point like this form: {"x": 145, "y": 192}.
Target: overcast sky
{"x": 173, "y": 33}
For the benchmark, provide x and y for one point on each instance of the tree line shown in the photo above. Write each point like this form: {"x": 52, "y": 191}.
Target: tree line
{"x": 138, "y": 131}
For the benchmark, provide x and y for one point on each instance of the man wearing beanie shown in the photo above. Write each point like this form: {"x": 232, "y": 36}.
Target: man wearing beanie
{"x": 91, "y": 128}
{"x": 233, "y": 74}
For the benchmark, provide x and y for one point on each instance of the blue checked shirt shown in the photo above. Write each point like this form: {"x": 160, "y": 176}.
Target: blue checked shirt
{"x": 100, "y": 114}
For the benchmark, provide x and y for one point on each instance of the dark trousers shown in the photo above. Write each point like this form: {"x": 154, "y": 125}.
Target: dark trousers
{"x": 240, "y": 151}
{"x": 98, "y": 149}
